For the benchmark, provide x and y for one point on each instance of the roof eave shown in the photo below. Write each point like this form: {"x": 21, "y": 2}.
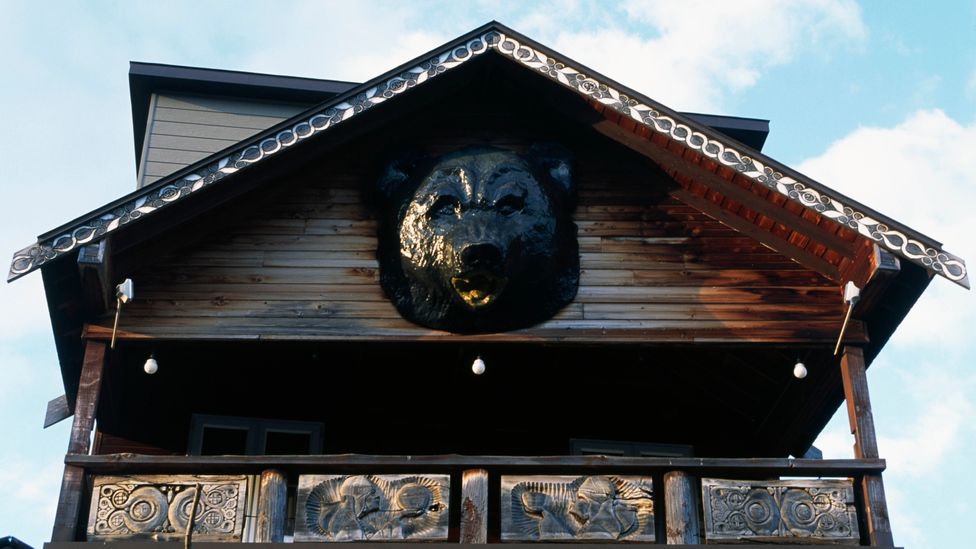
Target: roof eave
{"x": 494, "y": 37}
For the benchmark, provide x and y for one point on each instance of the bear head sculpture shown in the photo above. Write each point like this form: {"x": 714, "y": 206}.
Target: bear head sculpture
{"x": 479, "y": 240}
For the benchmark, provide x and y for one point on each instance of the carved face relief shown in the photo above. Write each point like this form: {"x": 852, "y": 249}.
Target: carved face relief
{"x": 479, "y": 240}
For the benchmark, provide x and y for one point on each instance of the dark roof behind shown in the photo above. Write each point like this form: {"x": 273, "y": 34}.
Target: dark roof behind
{"x": 147, "y": 78}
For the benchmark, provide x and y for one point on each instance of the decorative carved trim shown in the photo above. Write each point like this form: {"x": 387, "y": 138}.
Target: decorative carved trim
{"x": 158, "y": 507}
{"x": 560, "y": 70}
{"x": 571, "y": 508}
{"x": 372, "y": 507}
{"x": 783, "y": 511}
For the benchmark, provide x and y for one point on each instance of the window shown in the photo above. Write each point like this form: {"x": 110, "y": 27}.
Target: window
{"x": 229, "y": 435}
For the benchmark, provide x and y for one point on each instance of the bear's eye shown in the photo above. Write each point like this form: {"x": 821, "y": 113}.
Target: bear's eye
{"x": 445, "y": 206}
{"x": 509, "y": 204}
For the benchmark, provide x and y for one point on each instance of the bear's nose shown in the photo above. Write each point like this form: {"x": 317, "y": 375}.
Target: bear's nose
{"x": 481, "y": 256}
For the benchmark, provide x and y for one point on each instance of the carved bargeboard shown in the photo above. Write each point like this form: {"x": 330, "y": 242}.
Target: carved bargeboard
{"x": 785, "y": 511}
{"x": 158, "y": 507}
{"x": 372, "y": 507}
{"x": 577, "y": 508}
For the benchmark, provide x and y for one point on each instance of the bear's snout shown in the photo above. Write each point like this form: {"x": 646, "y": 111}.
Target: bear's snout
{"x": 483, "y": 256}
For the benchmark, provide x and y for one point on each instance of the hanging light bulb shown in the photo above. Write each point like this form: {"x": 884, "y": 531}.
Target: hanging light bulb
{"x": 478, "y": 366}
{"x": 800, "y": 370}
{"x": 151, "y": 366}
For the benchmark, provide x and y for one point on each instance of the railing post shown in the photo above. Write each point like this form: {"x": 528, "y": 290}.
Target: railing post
{"x": 67, "y": 517}
{"x": 272, "y": 500}
{"x": 474, "y": 506}
{"x": 681, "y": 509}
{"x": 865, "y": 444}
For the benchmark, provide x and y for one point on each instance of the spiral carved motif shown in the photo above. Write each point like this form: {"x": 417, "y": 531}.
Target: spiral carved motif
{"x": 158, "y": 507}
{"x": 813, "y": 510}
{"x": 354, "y": 103}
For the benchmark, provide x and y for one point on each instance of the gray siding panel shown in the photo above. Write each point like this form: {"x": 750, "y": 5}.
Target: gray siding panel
{"x": 233, "y": 106}
{"x": 161, "y": 168}
{"x": 175, "y": 156}
{"x": 201, "y": 144}
{"x": 216, "y": 118}
{"x": 178, "y": 129}
{"x": 184, "y": 129}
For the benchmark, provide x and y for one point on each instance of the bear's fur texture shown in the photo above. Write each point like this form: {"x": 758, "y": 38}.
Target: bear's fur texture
{"x": 479, "y": 240}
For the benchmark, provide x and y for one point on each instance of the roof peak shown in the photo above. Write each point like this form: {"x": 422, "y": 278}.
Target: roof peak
{"x": 495, "y": 38}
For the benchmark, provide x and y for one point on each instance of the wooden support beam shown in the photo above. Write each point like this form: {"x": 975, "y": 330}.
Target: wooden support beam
{"x": 67, "y": 518}
{"x": 885, "y": 266}
{"x": 681, "y": 509}
{"x": 853, "y": 372}
{"x": 272, "y": 500}
{"x": 671, "y": 161}
{"x": 742, "y": 225}
{"x": 57, "y": 410}
{"x": 96, "y": 284}
{"x": 474, "y": 506}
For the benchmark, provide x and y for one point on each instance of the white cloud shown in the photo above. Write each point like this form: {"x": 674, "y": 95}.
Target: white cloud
{"x": 919, "y": 447}
{"x": 920, "y": 173}
{"x": 31, "y": 485}
{"x": 692, "y": 55}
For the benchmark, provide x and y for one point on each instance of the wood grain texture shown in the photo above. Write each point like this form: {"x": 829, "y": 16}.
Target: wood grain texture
{"x": 474, "y": 506}
{"x": 272, "y": 503}
{"x": 756, "y": 467}
{"x": 681, "y": 509}
{"x": 861, "y": 419}
{"x": 67, "y": 517}
{"x": 652, "y": 269}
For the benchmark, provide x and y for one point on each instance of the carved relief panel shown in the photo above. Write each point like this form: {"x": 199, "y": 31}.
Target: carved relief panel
{"x": 158, "y": 507}
{"x": 577, "y": 508}
{"x": 372, "y": 507}
{"x": 787, "y": 511}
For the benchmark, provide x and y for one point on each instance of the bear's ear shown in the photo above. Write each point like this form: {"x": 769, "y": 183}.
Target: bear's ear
{"x": 397, "y": 173}
{"x": 556, "y": 162}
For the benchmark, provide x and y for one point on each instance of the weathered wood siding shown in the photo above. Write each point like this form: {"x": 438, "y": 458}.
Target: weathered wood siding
{"x": 183, "y": 129}
{"x": 653, "y": 269}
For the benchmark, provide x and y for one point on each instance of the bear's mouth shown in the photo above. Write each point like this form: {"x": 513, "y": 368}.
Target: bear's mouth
{"x": 478, "y": 289}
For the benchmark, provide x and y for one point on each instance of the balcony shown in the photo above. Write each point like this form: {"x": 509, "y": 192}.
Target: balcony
{"x": 474, "y": 499}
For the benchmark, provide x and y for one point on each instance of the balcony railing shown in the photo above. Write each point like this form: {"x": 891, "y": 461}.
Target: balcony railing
{"x": 475, "y": 499}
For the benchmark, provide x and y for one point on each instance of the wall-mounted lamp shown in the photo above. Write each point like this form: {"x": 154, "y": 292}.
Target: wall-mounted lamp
{"x": 151, "y": 366}
{"x": 478, "y": 366}
{"x": 124, "y": 293}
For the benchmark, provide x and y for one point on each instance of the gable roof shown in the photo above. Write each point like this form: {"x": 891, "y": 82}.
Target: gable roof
{"x": 494, "y": 38}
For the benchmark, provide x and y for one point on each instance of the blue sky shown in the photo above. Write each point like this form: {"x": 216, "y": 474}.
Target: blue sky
{"x": 877, "y": 100}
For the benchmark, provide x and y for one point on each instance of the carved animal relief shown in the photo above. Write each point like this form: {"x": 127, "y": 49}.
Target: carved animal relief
{"x": 811, "y": 510}
{"x": 158, "y": 507}
{"x": 479, "y": 240}
{"x": 567, "y": 508}
{"x": 372, "y": 507}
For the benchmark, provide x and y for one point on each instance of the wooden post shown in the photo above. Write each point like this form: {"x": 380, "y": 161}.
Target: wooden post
{"x": 67, "y": 519}
{"x": 865, "y": 444}
{"x": 272, "y": 499}
{"x": 681, "y": 509}
{"x": 474, "y": 506}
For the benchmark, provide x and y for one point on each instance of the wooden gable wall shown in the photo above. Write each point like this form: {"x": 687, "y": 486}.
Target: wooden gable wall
{"x": 653, "y": 269}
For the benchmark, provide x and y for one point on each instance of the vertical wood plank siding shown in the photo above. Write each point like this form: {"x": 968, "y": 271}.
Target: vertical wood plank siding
{"x": 183, "y": 129}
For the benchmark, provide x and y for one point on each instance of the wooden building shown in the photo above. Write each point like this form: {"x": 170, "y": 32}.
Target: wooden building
{"x": 293, "y": 400}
